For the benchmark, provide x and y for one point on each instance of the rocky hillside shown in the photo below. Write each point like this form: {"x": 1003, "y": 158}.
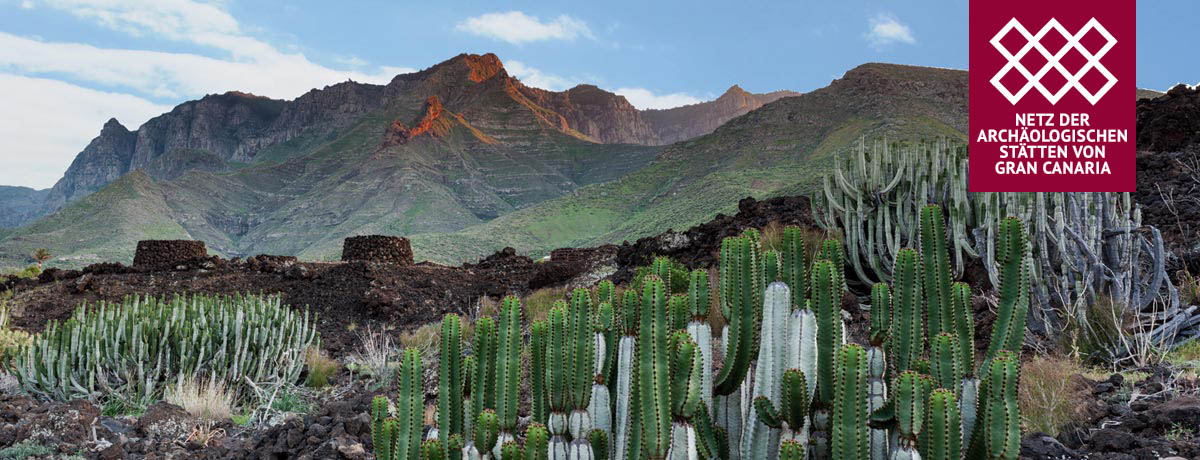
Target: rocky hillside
{"x": 683, "y": 123}
{"x": 221, "y": 133}
{"x": 781, "y": 148}
{"x": 450, "y": 146}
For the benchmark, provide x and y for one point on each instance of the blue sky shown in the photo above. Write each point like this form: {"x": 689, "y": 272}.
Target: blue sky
{"x": 66, "y": 66}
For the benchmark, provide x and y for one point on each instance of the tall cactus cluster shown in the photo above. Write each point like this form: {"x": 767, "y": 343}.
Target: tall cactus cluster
{"x": 1083, "y": 245}
{"x": 135, "y": 348}
{"x": 631, "y": 374}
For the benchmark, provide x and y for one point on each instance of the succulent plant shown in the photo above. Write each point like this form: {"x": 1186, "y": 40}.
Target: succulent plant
{"x": 599, "y": 406}
{"x": 538, "y": 340}
{"x": 791, "y": 416}
{"x": 508, "y": 368}
{"x": 537, "y": 441}
{"x": 760, "y": 440}
{"x": 997, "y": 431}
{"x": 907, "y": 338}
{"x": 943, "y": 439}
{"x": 483, "y": 380}
{"x": 627, "y": 323}
{"x": 432, "y": 449}
{"x": 450, "y": 373}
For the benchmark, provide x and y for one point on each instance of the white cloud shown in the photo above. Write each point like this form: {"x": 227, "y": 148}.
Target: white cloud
{"x": 50, "y": 121}
{"x": 884, "y": 29}
{"x": 534, "y": 77}
{"x": 236, "y": 60}
{"x": 645, "y": 99}
{"x": 516, "y": 27}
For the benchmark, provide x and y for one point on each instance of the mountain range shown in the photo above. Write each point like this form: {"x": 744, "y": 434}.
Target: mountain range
{"x": 461, "y": 156}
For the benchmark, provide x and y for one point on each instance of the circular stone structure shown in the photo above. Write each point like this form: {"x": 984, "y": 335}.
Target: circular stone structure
{"x": 378, "y": 248}
{"x": 156, "y": 253}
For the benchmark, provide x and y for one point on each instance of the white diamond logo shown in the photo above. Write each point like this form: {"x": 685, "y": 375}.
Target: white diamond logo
{"x": 1033, "y": 42}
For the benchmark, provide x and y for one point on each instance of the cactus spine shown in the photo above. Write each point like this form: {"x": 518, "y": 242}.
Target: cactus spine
{"x": 432, "y": 449}
{"x": 537, "y": 441}
{"x": 450, "y": 376}
{"x": 943, "y": 361}
{"x": 487, "y": 431}
{"x": 791, "y": 450}
{"x": 599, "y": 441}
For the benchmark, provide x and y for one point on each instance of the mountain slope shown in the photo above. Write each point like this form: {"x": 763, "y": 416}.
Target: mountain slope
{"x": 782, "y": 147}
{"x": 689, "y": 121}
{"x": 438, "y": 150}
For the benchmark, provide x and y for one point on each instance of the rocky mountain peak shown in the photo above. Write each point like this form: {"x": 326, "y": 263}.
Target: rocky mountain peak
{"x": 112, "y": 123}
{"x": 431, "y": 121}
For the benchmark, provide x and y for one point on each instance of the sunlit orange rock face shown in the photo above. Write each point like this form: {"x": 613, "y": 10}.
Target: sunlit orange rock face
{"x": 431, "y": 121}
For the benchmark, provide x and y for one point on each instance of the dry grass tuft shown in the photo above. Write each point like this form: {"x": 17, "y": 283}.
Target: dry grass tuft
{"x": 375, "y": 351}
{"x": 538, "y": 303}
{"x": 320, "y": 367}
{"x": 424, "y": 339}
{"x": 1050, "y": 394}
{"x": 209, "y": 401}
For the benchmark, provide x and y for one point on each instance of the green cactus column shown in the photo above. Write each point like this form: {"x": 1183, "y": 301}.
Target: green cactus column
{"x": 558, "y": 357}
{"x": 686, "y": 388}
{"x": 508, "y": 370}
{"x": 758, "y": 439}
{"x": 881, "y": 316}
{"x": 537, "y": 441}
{"x": 483, "y": 382}
{"x": 1008, "y": 332}
{"x": 539, "y": 336}
{"x": 381, "y": 427}
{"x": 944, "y": 430}
{"x": 433, "y": 449}
{"x": 581, "y": 345}
{"x": 450, "y": 377}
{"x": 653, "y": 373}
{"x": 997, "y": 431}
{"x": 410, "y": 407}
{"x": 849, "y": 438}
{"x": 826, "y": 301}
{"x": 968, "y": 387}
{"x": 937, "y": 271}
{"x": 908, "y": 403}
{"x": 907, "y": 341}
{"x": 487, "y": 431}
{"x": 741, "y": 291}
{"x": 628, "y": 324}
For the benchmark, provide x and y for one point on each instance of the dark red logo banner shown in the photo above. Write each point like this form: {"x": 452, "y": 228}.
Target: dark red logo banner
{"x": 1052, "y": 97}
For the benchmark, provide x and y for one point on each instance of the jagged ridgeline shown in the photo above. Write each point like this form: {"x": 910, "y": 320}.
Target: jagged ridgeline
{"x": 1086, "y": 248}
{"x": 630, "y": 374}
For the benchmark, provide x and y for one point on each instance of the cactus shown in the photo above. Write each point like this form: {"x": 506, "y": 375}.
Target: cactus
{"x": 511, "y": 451}
{"x": 599, "y": 440}
{"x": 741, "y": 298}
{"x": 908, "y": 337}
{"x": 997, "y": 432}
{"x": 826, "y": 302}
{"x": 381, "y": 427}
{"x": 791, "y": 417}
{"x": 454, "y": 447}
{"x": 909, "y": 395}
{"x": 881, "y": 318}
{"x": 937, "y": 271}
{"x": 653, "y": 374}
{"x": 791, "y": 450}
{"x": 771, "y": 267}
{"x": 760, "y": 440}
{"x": 701, "y": 331}
{"x": 628, "y": 324}
{"x": 833, "y": 251}
{"x": 132, "y": 349}
{"x": 432, "y": 449}
{"x": 581, "y": 346}
{"x": 558, "y": 379}
{"x": 508, "y": 369}
{"x": 679, "y": 311}
{"x": 600, "y": 407}
{"x": 483, "y": 384}
{"x": 849, "y": 438}
{"x": 942, "y": 427}
{"x": 792, "y": 268}
{"x": 450, "y": 374}
{"x": 1008, "y": 332}
{"x": 661, "y": 267}
{"x": 538, "y": 340}
{"x": 943, "y": 361}
{"x": 537, "y": 441}
{"x": 410, "y": 404}
{"x": 487, "y": 431}
{"x": 685, "y": 389}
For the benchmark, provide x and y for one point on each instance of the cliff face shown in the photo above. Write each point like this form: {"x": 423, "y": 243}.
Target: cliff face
{"x": 683, "y": 123}
{"x": 598, "y": 114}
{"x": 105, "y": 159}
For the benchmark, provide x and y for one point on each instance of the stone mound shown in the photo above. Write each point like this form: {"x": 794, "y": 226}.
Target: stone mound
{"x": 377, "y": 248}
{"x": 157, "y": 253}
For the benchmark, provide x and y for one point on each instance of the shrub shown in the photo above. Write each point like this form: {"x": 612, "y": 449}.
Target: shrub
{"x": 12, "y": 342}
{"x": 25, "y": 449}
{"x": 133, "y": 349}
{"x": 1050, "y": 393}
{"x": 320, "y": 367}
{"x": 209, "y": 401}
{"x": 375, "y": 349}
